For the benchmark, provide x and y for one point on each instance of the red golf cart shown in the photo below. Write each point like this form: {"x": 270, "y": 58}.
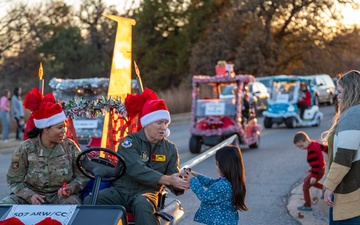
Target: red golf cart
{"x": 215, "y": 117}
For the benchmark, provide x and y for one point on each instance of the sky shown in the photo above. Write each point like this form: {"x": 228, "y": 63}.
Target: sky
{"x": 5, "y": 4}
{"x": 351, "y": 16}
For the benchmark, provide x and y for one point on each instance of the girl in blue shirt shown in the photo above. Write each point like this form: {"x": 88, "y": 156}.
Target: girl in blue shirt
{"x": 221, "y": 198}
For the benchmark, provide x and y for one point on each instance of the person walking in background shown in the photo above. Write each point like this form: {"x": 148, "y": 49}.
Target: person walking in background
{"x": 304, "y": 99}
{"x": 317, "y": 163}
{"x": 41, "y": 165}
{"x": 342, "y": 183}
{"x": 220, "y": 198}
{"x": 4, "y": 115}
{"x": 17, "y": 112}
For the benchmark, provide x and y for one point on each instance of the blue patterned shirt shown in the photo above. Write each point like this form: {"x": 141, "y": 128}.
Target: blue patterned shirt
{"x": 216, "y": 207}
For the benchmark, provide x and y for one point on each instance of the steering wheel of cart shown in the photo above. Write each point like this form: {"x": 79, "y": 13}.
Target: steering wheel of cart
{"x": 100, "y": 164}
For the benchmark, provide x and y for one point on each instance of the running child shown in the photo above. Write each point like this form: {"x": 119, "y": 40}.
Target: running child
{"x": 317, "y": 163}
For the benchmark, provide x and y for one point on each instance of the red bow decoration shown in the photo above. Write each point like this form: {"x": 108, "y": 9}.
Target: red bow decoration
{"x": 11, "y": 221}
{"x": 48, "y": 221}
{"x": 16, "y": 221}
{"x": 134, "y": 103}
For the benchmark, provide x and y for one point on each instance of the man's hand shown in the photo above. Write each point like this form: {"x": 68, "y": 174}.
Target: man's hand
{"x": 176, "y": 180}
{"x": 37, "y": 199}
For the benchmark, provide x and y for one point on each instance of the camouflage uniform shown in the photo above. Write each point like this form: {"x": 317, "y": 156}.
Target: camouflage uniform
{"x": 34, "y": 169}
{"x": 138, "y": 189}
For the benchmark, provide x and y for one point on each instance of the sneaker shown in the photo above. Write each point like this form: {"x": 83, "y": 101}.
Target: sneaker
{"x": 304, "y": 208}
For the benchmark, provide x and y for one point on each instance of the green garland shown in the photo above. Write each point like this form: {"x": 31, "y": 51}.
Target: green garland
{"x": 80, "y": 107}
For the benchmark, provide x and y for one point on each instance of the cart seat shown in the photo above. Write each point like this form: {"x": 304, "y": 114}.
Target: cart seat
{"x": 215, "y": 122}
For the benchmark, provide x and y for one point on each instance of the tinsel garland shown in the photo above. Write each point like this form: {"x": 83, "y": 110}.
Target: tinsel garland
{"x": 80, "y": 107}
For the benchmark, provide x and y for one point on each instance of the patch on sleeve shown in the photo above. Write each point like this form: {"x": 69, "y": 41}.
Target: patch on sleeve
{"x": 15, "y": 157}
{"x": 127, "y": 143}
{"x": 15, "y": 166}
{"x": 158, "y": 158}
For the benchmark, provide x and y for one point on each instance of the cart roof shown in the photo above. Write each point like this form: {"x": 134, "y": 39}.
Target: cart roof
{"x": 292, "y": 78}
{"x": 66, "y": 84}
{"x": 223, "y": 79}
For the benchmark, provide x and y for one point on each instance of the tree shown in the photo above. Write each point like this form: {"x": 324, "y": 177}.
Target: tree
{"x": 158, "y": 43}
{"x": 268, "y": 37}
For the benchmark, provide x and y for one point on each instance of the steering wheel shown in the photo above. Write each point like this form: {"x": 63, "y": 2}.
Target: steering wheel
{"x": 101, "y": 163}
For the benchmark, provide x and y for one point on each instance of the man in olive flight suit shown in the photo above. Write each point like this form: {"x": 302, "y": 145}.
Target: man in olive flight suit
{"x": 152, "y": 161}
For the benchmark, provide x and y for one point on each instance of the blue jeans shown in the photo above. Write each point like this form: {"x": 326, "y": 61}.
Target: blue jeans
{"x": 5, "y": 122}
{"x": 352, "y": 221}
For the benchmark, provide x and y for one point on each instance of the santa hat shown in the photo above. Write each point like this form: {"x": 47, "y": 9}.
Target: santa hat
{"x": 155, "y": 110}
{"x": 49, "y": 114}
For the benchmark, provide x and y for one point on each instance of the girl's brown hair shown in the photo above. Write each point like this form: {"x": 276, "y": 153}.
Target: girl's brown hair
{"x": 231, "y": 165}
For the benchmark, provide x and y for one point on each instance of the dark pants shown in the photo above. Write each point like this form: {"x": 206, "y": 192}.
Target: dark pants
{"x": 143, "y": 205}
{"x": 307, "y": 186}
{"x": 19, "y": 128}
{"x": 302, "y": 108}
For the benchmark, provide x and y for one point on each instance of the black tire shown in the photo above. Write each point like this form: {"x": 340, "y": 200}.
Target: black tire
{"x": 256, "y": 144}
{"x": 290, "y": 122}
{"x": 267, "y": 122}
{"x": 195, "y": 144}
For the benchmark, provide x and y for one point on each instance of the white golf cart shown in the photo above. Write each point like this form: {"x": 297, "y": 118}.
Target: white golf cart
{"x": 282, "y": 107}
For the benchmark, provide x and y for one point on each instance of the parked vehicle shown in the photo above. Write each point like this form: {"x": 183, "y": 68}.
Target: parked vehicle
{"x": 267, "y": 81}
{"x": 282, "y": 107}
{"x": 258, "y": 95}
{"x": 214, "y": 119}
{"x": 324, "y": 89}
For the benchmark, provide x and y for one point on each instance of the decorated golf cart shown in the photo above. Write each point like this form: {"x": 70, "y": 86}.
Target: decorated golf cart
{"x": 85, "y": 101}
{"x": 282, "y": 104}
{"x": 214, "y": 119}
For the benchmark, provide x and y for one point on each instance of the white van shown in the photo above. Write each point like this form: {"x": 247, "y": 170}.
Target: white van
{"x": 324, "y": 89}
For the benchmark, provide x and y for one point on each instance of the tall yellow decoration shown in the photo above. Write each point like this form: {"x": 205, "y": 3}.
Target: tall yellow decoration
{"x": 120, "y": 77}
{"x": 41, "y": 78}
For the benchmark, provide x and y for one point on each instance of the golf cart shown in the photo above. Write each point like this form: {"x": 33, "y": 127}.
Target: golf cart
{"x": 214, "y": 119}
{"x": 282, "y": 107}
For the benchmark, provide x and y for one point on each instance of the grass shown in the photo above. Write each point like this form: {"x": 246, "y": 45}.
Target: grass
{"x": 178, "y": 100}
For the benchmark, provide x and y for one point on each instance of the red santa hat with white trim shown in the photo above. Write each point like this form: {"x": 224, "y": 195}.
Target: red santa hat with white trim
{"x": 155, "y": 110}
{"x": 49, "y": 114}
